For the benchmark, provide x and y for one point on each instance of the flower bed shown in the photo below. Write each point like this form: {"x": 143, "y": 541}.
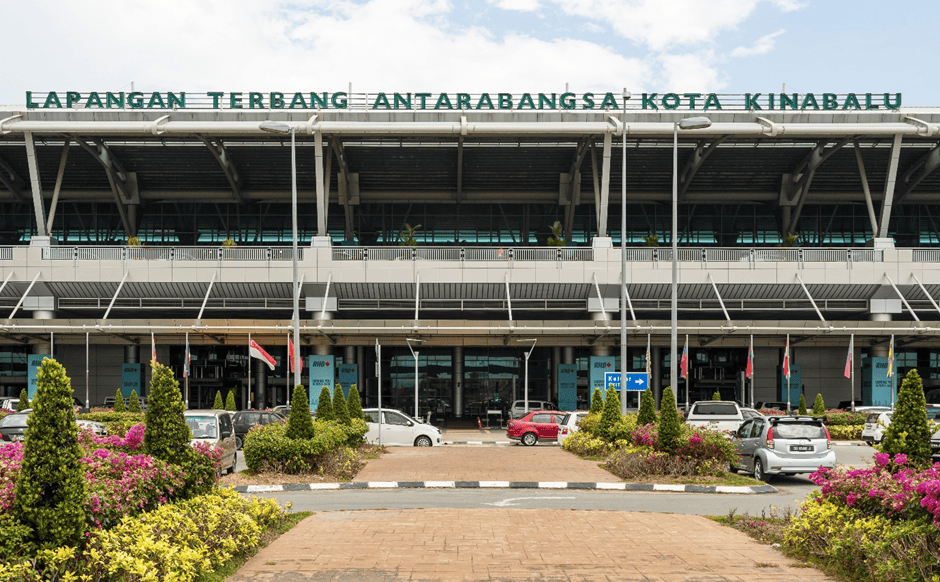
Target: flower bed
{"x": 267, "y": 447}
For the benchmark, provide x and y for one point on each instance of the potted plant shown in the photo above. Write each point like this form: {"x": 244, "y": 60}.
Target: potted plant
{"x": 229, "y": 243}
{"x": 555, "y": 240}
{"x": 407, "y": 238}
{"x": 134, "y": 242}
{"x": 791, "y": 241}
{"x": 652, "y": 240}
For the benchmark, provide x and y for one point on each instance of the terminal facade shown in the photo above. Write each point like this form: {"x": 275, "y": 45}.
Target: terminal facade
{"x": 474, "y": 247}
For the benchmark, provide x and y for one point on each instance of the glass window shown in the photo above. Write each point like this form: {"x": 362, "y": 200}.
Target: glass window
{"x": 542, "y": 418}
{"x": 202, "y": 427}
{"x": 798, "y": 430}
{"x": 716, "y": 409}
{"x": 758, "y": 429}
{"x": 397, "y": 419}
{"x": 744, "y": 430}
{"x": 372, "y": 416}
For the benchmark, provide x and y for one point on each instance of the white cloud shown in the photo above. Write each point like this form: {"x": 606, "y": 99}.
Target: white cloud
{"x": 520, "y": 5}
{"x": 790, "y": 5}
{"x": 762, "y": 46}
{"x": 690, "y": 72}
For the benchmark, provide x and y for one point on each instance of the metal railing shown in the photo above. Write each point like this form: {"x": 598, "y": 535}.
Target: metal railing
{"x": 167, "y": 253}
{"x": 926, "y": 255}
{"x": 462, "y": 254}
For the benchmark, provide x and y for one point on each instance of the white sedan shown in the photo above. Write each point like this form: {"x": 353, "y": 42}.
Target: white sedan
{"x": 569, "y": 424}
{"x": 399, "y": 429}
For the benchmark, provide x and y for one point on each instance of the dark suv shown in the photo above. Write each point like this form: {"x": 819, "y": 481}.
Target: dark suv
{"x": 246, "y": 419}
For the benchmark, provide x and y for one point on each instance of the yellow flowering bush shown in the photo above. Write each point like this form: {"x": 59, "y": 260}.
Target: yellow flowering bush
{"x": 845, "y": 432}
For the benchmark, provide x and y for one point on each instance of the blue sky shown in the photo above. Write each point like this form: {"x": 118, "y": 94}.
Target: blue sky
{"x": 721, "y": 46}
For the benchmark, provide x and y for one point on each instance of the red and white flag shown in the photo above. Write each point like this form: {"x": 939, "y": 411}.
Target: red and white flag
{"x": 786, "y": 358}
{"x": 153, "y": 350}
{"x": 256, "y": 351}
{"x": 187, "y": 358}
{"x": 290, "y": 356}
{"x": 684, "y": 362}
{"x": 749, "y": 371}
{"x": 848, "y": 358}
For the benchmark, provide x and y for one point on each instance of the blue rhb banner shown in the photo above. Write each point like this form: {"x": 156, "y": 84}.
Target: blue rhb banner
{"x": 567, "y": 387}
{"x": 348, "y": 375}
{"x": 322, "y": 373}
{"x": 599, "y": 366}
{"x": 131, "y": 375}
{"x": 33, "y": 361}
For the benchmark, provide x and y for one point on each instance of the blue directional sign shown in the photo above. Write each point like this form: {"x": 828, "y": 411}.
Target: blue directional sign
{"x": 636, "y": 381}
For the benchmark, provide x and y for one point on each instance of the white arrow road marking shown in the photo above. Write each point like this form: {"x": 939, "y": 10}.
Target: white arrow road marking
{"x": 509, "y": 502}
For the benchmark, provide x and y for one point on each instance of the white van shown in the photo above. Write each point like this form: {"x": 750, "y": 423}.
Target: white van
{"x": 214, "y": 427}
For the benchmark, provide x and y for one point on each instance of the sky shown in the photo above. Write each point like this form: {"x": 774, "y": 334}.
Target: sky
{"x": 702, "y": 46}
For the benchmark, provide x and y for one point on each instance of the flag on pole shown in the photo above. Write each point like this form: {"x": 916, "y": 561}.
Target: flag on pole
{"x": 290, "y": 355}
{"x": 848, "y": 358}
{"x": 684, "y": 362}
{"x": 187, "y": 358}
{"x": 749, "y": 370}
{"x": 891, "y": 358}
{"x": 153, "y": 350}
{"x": 649, "y": 360}
{"x": 786, "y": 358}
{"x": 256, "y": 351}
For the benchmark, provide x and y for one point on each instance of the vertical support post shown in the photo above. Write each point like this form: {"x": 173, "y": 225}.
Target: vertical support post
{"x": 889, "y": 186}
{"x": 674, "y": 304}
{"x": 294, "y": 251}
{"x": 866, "y": 189}
{"x": 36, "y": 185}
{"x": 322, "y": 195}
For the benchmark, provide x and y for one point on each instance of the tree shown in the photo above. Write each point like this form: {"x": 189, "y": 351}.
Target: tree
{"x": 230, "y": 401}
{"x": 118, "y": 401}
{"x": 908, "y": 432}
{"x": 299, "y": 423}
{"x": 819, "y": 407}
{"x": 611, "y": 414}
{"x": 133, "y": 402}
{"x": 166, "y": 433}
{"x": 50, "y": 490}
{"x": 802, "y": 408}
{"x": 217, "y": 402}
{"x": 24, "y": 401}
{"x": 340, "y": 410}
{"x": 716, "y": 395}
{"x": 670, "y": 425}
{"x": 354, "y": 405}
{"x": 597, "y": 401}
{"x": 647, "y": 413}
{"x": 325, "y": 406}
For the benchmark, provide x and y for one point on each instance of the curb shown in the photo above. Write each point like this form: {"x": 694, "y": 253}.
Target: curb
{"x": 848, "y": 444}
{"x": 506, "y": 485}
{"x": 495, "y": 443}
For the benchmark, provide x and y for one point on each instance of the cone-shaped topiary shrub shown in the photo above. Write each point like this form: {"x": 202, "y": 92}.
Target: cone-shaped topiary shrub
{"x": 354, "y": 405}
{"x": 340, "y": 411}
{"x": 118, "y": 401}
{"x": 230, "y": 401}
{"x": 908, "y": 432}
{"x": 802, "y": 408}
{"x": 325, "y": 406}
{"x": 611, "y": 414}
{"x": 299, "y": 423}
{"x": 50, "y": 490}
{"x": 670, "y": 425}
{"x": 819, "y": 407}
{"x": 217, "y": 401}
{"x": 647, "y": 413}
{"x": 133, "y": 402}
{"x": 716, "y": 395}
{"x": 597, "y": 401}
{"x": 24, "y": 401}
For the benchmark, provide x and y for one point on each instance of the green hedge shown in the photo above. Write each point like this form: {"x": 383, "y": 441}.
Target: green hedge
{"x": 267, "y": 447}
{"x": 846, "y": 433}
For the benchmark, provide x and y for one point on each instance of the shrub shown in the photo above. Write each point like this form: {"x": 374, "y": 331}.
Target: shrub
{"x": 167, "y": 434}
{"x": 23, "y": 404}
{"x": 587, "y": 445}
{"x": 133, "y": 402}
{"x": 633, "y": 462}
{"x": 354, "y": 405}
{"x": 590, "y": 425}
{"x": 50, "y": 490}
{"x": 325, "y": 406}
{"x": 611, "y": 413}
{"x": 131, "y": 442}
{"x": 716, "y": 395}
{"x": 802, "y": 409}
{"x": 230, "y": 402}
{"x": 819, "y": 407}
{"x": 669, "y": 423}
{"x": 845, "y": 418}
{"x": 845, "y": 432}
{"x": 299, "y": 423}
{"x": 267, "y": 447}
{"x": 647, "y": 413}
{"x": 119, "y": 401}
{"x": 597, "y": 401}
{"x": 340, "y": 412}
{"x": 908, "y": 432}
{"x": 342, "y": 463}
{"x": 217, "y": 401}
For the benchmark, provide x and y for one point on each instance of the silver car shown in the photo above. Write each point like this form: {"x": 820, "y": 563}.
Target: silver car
{"x": 399, "y": 429}
{"x": 782, "y": 445}
{"x": 569, "y": 424}
{"x": 214, "y": 427}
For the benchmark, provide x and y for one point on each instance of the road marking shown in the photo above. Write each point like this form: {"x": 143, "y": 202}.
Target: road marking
{"x": 509, "y": 502}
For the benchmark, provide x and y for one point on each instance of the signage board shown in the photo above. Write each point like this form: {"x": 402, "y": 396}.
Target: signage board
{"x": 567, "y": 387}
{"x": 33, "y": 361}
{"x": 131, "y": 379}
{"x": 598, "y": 367}
{"x": 636, "y": 381}
{"x": 877, "y": 388}
{"x": 348, "y": 375}
{"x": 322, "y": 373}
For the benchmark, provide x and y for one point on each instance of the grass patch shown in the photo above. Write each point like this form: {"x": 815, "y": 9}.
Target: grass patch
{"x": 232, "y": 566}
{"x": 767, "y": 529}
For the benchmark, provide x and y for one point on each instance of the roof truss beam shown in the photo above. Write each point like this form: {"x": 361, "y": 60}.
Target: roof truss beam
{"x": 12, "y": 181}
{"x": 703, "y": 149}
{"x": 574, "y": 190}
{"x": 922, "y": 168}
{"x": 123, "y": 183}
{"x": 796, "y": 188}
{"x": 343, "y": 186}
{"x": 221, "y": 155}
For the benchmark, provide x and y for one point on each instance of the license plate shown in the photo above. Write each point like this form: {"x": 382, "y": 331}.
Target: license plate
{"x": 19, "y": 437}
{"x": 801, "y": 448}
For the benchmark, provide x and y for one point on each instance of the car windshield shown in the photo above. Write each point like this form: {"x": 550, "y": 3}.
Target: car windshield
{"x": 799, "y": 430}
{"x": 203, "y": 427}
{"x": 716, "y": 409}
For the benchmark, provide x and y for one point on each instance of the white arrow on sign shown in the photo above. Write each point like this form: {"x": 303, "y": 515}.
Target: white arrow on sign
{"x": 640, "y": 381}
{"x": 509, "y": 502}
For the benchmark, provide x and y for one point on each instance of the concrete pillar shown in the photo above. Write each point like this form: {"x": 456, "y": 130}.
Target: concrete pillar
{"x": 600, "y": 350}
{"x": 567, "y": 355}
{"x": 656, "y": 355}
{"x": 349, "y": 355}
{"x": 458, "y": 381}
{"x": 325, "y": 349}
{"x": 361, "y": 379}
{"x": 556, "y": 361}
{"x": 132, "y": 354}
{"x": 43, "y": 346}
{"x": 881, "y": 350}
{"x": 260, "y": 388}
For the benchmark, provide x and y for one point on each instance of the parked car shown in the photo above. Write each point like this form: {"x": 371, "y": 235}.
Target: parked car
{"x": 9, "y": 403}
{"x": 535, "y": 426}
{"x": 399, "y": 429}
{"x": 724, "y": 415}
{"x": 782, "y": 445}
{"x": 569, "y": 424}
{"x": 875, "y": 424}
{"x": 748, "y": 413}
{"x": 13, "y": 426}
{"x": 518, "y": 408}
{"x": 109, "y": 402}
{"x": 773, "y": 405}
{"x": 214, "y": 427}
{"x": 245, "y": 419}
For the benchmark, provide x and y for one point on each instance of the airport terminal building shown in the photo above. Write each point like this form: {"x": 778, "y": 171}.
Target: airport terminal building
{"x": 458, "y": 248}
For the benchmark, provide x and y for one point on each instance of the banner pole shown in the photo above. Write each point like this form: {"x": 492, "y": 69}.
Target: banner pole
{"x": 248, "y": 394}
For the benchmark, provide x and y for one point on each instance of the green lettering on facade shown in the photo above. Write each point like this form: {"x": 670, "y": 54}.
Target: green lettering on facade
{"x": 526, "y": 98}
{"x": 649, "y": 101}
{"x": 338, "y": 100}
{"x": 255, "y": 101}
{"x": 235, "y": 100}
{"x": 404, "y": 100}
{"x": 785, "y": 100}
{"x": 423, "y": 99}
{"x": 751, "y": 103}
{"x": 810, "y": 99}
{"x": 770, "y": 101}
{"x": 869, "y": 104}
{"x": 712, "y": 101}
{"x": 609, "y": 101}
{"x": 485, "y": 98}
{"x": 463, "y": 100}
{"x": 382, "y": 100}
{"x": 135, "y": 100}
{"x": 670, "y": 101}
{"x": 72, "y": 98}
{"x": 443, "y": 98}
{"x": 316, "y": 102}
{"x": 851, "y": 101}
{"x": 216, "y": 97}
{"x": 830, "y": 101}
{"x": 567, "y": 100}
{"x": 691, "y": 97}
{"x": 505, "y": 100}
{"x": 897, "y": 101}
{"x": 156, "y": 100}
{"x": 174, "y": 100}
{"x": 276, "y": 100}
{"x": 588, "y": 99}
{"x": 29, "y": 101}
{"x": 546, "y": 100}
{"x": 298, "y": 101}
{"x": 94, "y": 100}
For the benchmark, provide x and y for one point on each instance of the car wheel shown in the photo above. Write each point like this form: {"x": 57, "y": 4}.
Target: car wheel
{"x": 238, "y": 443}
{"x": 870, "y": 443}
{"x": 529, "y": 439}
{"x": 759, "y": 471}
{"x": 422, "y": 441}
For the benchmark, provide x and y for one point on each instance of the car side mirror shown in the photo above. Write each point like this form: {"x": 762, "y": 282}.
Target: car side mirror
{"x": 410, "y": 423}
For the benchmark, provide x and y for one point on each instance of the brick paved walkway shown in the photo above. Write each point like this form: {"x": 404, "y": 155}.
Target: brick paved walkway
{"x": 516, "y": 545}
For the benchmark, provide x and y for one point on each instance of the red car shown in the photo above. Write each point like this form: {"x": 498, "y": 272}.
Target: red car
{"x": 538, "y": 424}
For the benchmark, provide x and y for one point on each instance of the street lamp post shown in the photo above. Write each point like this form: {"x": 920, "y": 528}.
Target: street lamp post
{"x": 687, "y": 123}
{"x": 283, "y": 128}
{"x": 526, "y": 382}
{"x": 623, "y": 263}
{"x": 415, "y": 356}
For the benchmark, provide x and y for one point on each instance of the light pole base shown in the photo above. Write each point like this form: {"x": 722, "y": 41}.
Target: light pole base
{"x": 321, "y": 241}
{"x": 602, "y": 242}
